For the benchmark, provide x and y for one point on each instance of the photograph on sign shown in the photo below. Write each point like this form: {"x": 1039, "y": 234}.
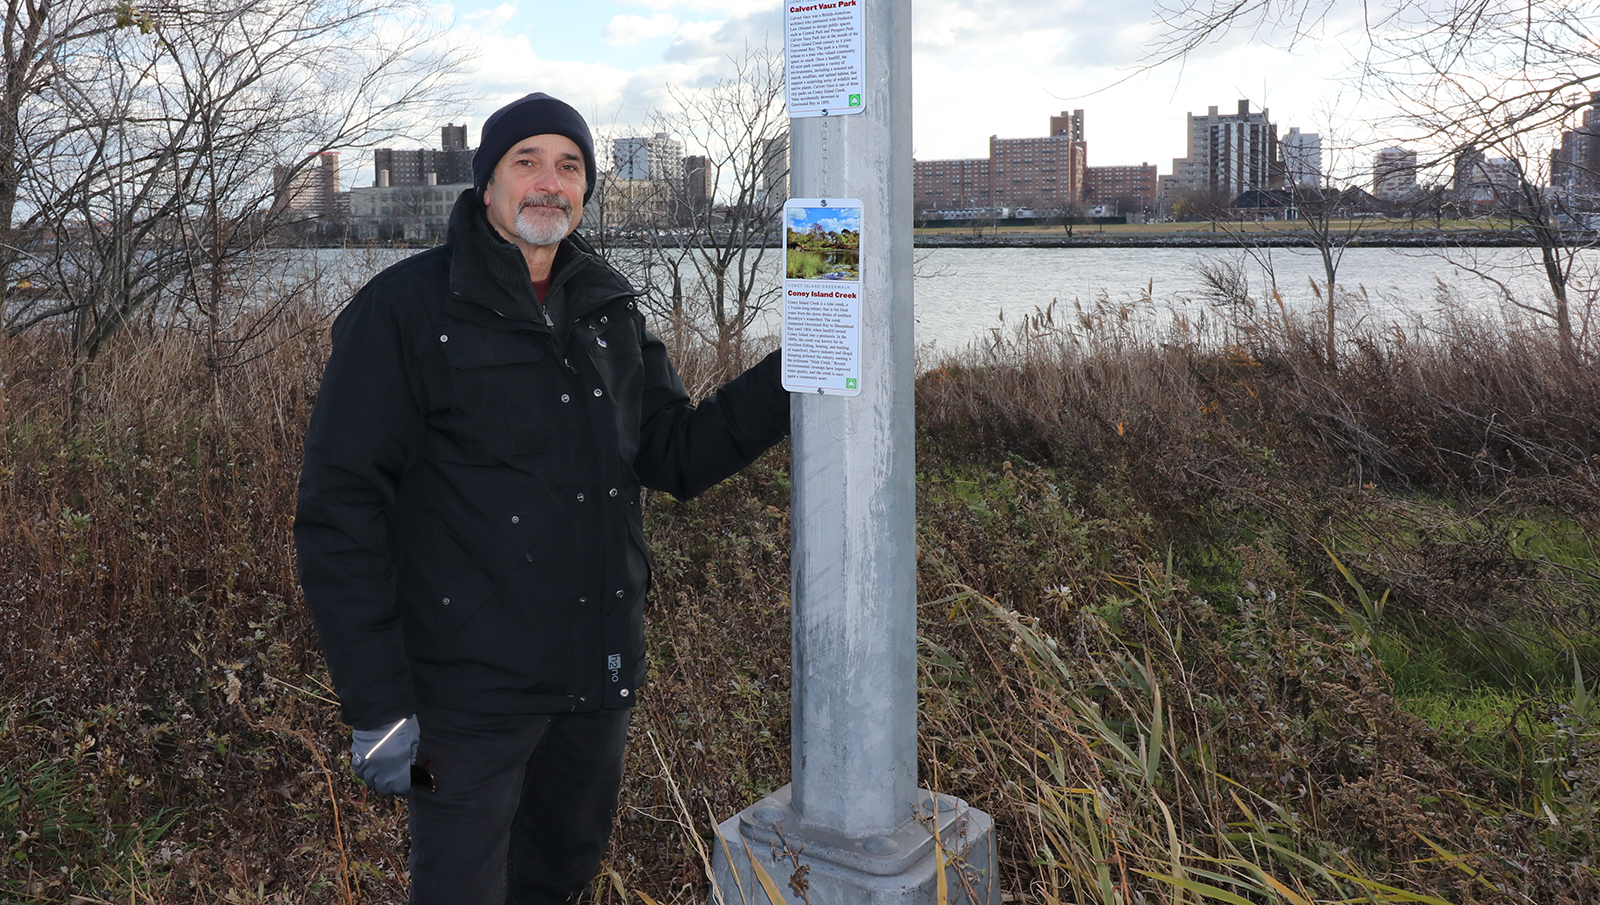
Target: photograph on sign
{"x": 825, "y": 71}
{"x": 822, "y": 296}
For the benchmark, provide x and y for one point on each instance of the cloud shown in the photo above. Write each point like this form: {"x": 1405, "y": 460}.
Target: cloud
{"x": 715, "y": 41}
{"x": 626, "y": 31}
{"x": 980, "y": 68}
{"x": 717, "y": 9}
{"x": 492, "y": 17}
{"x": 830, "y": 219}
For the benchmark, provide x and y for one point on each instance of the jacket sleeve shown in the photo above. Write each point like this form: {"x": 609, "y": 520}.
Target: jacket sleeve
{"x": 684, "y": 448}
{"x": 366, "y": 427}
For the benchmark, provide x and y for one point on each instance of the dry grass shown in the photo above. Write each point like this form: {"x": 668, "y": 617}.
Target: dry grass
{"x": 1150, "y": 688}
{"x": 1186, "y": 683}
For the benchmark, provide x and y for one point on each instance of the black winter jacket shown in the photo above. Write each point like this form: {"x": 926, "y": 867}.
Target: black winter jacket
{"x": 468, "y": 529}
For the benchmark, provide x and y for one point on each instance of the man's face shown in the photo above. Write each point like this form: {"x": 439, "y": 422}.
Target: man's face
{"x": 536, "y": 190}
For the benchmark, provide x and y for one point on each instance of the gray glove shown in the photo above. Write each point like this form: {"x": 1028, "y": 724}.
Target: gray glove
{"x": 382, "y": 757}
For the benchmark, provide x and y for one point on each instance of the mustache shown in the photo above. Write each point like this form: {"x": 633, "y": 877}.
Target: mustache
{"x": 545, "y": 200}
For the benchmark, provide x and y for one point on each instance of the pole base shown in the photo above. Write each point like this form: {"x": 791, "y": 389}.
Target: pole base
{"x": 895, "y": 869}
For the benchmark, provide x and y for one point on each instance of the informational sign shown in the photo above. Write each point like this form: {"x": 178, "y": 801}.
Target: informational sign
{"x": 822, "y": 296}
{"x": 825, "y": 70}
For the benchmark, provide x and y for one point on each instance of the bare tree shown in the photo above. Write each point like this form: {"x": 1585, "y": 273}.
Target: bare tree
{"x": 1555, "y": 246}
{"x": 35, "y": 37}
{"x": 1202, "y": 204}
{"x": 1331, "y": 216}
{"x": 1072, "y": 212}
{"x": 708, "y": 271}
{"x": 1488, "y": 96}
{"x": 1510, "y": 67}
{"x": 1489, "y": 76}
{"x": 32, "y": 41}
{"x": 147, "y": 153}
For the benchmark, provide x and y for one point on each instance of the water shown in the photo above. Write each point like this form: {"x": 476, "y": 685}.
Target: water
{"x": 962, "y": 293}
{"x": 966, "y": 290}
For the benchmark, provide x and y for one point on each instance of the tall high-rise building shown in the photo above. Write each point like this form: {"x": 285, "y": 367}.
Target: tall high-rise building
{"x": 1302, "y": 157}
{"x": 453, "y": 137}
{"x": 697, "y": 182}
{"x": 1230, "y": 153}
{"x": 1394, "y": 173}
{"x": 1575, "y": 165}
{"x": 1068, "y": 124}
{"x": 309, "y": 191}
{"x": 654, "y": 157}
{"x": 774, "y": 185}
{"x": 1040, "y": 174}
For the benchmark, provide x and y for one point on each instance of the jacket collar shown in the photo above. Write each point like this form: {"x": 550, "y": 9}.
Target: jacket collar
{"x": 487, "y": 270}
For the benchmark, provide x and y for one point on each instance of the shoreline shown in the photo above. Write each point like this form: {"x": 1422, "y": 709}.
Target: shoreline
{"x": 1432, "y": 238}
{"x": 1376, "y": 239}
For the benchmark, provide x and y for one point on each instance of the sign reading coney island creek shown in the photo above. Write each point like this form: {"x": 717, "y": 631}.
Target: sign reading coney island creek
{"x": 825, "y": 70}
{"x": 822, "y": 296}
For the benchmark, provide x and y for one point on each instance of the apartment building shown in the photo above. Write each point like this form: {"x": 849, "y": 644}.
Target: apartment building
{"x": 1302, "y": 158}
{"x": 1394, "y": 173}
{"x": 647, "y": 157}
{"x": 1132, "y": 188}
{"x": 1042, "y": 175}
{"x": 697, "y": 172}
{"x": 1575, "y": 164}
{"x": 1229, "y": 153}
{"x": 774, "y": 184}
{"x": 310, "y": 192}
{"x": 450, "y": 164}
{"x": 947, "y": 186}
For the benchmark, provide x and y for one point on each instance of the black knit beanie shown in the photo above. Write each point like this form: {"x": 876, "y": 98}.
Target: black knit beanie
{"x": 535, "y": 114}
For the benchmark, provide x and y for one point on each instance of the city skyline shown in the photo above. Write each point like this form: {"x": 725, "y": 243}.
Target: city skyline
{"x": 974, "y": 76}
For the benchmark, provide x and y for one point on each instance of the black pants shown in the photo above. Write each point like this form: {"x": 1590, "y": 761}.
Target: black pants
{"x": 524, "y": 806}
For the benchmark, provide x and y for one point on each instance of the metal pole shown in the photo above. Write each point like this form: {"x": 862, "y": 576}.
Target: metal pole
{"x": 853, "y": 813}
{"x": 854, "y": 574}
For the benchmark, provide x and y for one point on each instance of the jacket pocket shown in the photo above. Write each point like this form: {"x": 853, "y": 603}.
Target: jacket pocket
{"x": 444, "y": 574}
{"x": 505, "y": 393}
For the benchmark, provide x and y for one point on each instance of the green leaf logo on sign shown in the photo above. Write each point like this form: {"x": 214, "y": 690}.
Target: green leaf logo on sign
{"x": 855, "y": 100}
{"x": 849, "y": 383}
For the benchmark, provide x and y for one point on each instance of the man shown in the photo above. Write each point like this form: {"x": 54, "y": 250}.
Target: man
{"x": 469, "y": 532}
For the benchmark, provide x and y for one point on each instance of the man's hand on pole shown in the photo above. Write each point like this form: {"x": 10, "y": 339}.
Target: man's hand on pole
{"x": 382, "y": 757}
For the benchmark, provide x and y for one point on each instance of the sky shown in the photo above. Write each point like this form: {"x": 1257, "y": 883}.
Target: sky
{"x": 832, "y": 219}
{"x": 979, "y": 68}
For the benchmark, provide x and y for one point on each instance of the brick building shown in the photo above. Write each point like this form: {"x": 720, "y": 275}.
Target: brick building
{"x": 1132, "y": 188}
{"x": 451, "y": 164}
{"x": 1044, "y": 175}
{"x": 1039, "y": 175}
{"x": 948, "y": 186}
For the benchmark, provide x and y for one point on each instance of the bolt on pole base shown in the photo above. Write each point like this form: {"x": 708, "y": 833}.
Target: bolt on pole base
{"x": 899, "y": 868}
